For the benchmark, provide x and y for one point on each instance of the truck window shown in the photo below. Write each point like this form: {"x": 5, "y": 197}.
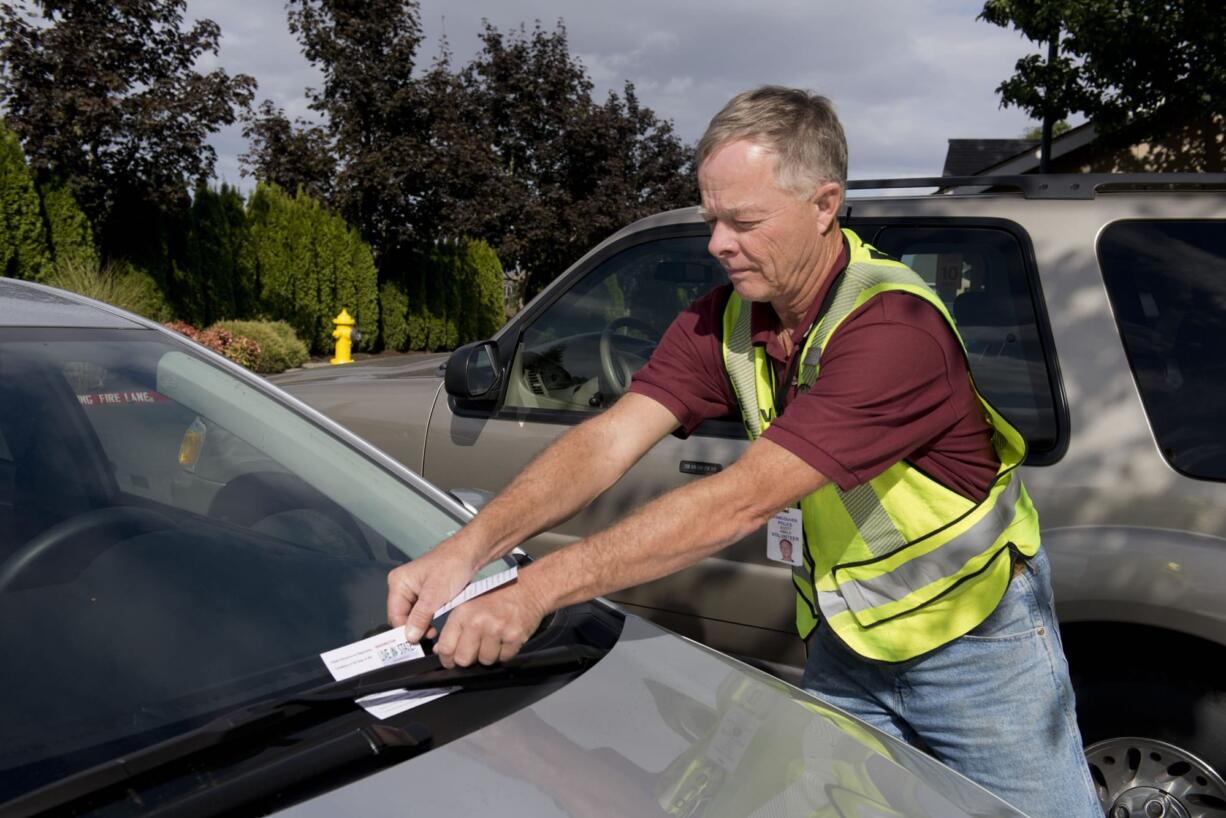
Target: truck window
{"x": 1167, "y": 285}
{"x": 980, "y": 275}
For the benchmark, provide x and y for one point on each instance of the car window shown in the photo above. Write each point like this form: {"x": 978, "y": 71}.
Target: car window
{"x": 579, "y": 354}
{"x": 1167, "y": 284}
{"x": 173, "y": 541}
{"x": 980, "y": 275}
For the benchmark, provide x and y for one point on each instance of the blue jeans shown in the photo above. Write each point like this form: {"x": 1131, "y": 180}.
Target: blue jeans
{"x": 996, "y": 705}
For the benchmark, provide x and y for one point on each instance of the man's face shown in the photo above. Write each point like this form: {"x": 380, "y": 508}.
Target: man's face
{"x": 785, "y": 550}
{"x": 766, "y": 238}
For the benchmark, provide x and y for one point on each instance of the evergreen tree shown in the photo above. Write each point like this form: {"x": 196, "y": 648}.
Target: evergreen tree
{"x": 68, "y": 229}
{"x": 309, "y": 265}
{"x": 23, "y": 239}
{"x": 218, "y": 283}
{"x": 486, "y": 293}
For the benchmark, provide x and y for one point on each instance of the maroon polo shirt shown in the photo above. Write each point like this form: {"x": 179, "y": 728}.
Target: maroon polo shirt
{"x": 893, "y": 385}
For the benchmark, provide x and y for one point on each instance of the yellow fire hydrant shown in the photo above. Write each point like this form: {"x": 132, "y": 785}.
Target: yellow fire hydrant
{"x": 345, "y": 334}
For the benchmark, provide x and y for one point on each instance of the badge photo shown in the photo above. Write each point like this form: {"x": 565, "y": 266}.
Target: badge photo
{"x": 785, "y": 537}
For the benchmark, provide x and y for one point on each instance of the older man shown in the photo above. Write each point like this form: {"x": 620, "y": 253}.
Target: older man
{"x": 924, "y": 597}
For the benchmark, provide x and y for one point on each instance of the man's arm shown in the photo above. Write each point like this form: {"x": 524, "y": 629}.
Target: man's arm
{"x": 560, "y": 481}
{"x": 670, "y": 533}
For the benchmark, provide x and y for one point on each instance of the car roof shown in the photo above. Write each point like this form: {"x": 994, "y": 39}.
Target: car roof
{"x": 26, "y": 304}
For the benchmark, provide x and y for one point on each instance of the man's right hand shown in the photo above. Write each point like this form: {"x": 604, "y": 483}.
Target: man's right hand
{"x": 417, "y": 589}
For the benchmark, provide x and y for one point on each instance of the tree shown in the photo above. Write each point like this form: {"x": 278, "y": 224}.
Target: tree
{"x": 288, "y": 154}
{"x": 1035, "y": 132}
{"x": 217, "y": 279}
{"x": 309, "y": 265}
{"x": 366, "y": 50}
{"x": 1137, "y": 68}
{"x": 567, "y": 171}
{"x": 68, "y": 229}
{"x": 108, "y": 96}
{"x": 23, "y": 240}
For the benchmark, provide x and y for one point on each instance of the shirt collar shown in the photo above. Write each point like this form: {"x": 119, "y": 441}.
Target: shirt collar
{"x": 764, "y": 323}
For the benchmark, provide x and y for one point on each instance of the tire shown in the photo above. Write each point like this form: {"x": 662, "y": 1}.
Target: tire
{"x": 1153, "y": 719}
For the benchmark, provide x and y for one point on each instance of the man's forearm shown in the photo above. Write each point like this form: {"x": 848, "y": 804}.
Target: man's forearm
{"x": 674, "y": 531}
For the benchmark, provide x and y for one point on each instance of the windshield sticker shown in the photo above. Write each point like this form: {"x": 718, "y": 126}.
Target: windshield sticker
{"x": 121, "y": 398}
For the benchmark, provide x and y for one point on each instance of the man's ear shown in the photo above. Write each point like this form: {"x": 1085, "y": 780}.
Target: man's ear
{"x": 826, "y": 201}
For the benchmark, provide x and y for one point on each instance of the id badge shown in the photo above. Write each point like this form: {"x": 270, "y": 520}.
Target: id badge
{"x": 785, "y": 537}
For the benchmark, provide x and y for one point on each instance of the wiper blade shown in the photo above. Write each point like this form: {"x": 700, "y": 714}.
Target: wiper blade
{"x": 316, "y": 703}
{"x": 427, "y": 672}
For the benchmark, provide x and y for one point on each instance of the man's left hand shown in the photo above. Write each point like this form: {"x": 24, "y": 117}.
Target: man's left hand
{"x": 491, "y": 628}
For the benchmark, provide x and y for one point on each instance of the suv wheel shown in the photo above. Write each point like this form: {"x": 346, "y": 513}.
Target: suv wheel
{"x": 1146, "y": 778}
{"x": 1154, "y": 727}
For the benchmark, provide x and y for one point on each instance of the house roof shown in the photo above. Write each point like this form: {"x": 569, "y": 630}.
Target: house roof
{"x": 983, "y": 157}
{"x": 968, "y": 157}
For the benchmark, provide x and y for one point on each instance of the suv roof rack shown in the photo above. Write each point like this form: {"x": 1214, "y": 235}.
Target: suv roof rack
{"x": 1054, "y": 185}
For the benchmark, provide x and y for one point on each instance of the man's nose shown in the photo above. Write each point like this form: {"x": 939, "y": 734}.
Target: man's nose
{"x": 721, "y": 244}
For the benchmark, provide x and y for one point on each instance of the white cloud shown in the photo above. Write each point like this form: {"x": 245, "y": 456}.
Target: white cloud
{"x": 905, "y": 75}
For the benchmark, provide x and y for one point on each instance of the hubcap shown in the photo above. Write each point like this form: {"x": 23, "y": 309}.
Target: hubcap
{"x": 1147, "y": 778}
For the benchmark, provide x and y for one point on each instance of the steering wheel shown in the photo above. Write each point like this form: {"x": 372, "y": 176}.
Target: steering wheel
{"x": 616, "y": 366}
{"x": 62, "y": 551}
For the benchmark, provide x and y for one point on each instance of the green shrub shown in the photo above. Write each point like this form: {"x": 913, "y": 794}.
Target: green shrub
{"x": 119, "y": 284}
{"x": 394, "y": 316}
{"x": 279, "y": 347}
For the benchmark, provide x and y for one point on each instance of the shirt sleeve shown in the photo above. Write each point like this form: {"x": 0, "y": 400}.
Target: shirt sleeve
{"x": 686, "y": 371}
{"x": 883, "y": 392}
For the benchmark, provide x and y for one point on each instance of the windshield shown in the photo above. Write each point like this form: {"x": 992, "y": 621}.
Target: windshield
{"x": 173, "y": 543}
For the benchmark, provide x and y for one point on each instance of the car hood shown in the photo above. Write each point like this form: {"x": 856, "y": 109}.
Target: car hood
{"x": 664, "y": 726}
{"x": 382, "y": 367}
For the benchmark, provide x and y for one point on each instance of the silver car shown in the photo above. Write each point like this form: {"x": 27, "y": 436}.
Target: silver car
{"x": 179, "y": 544}
{"x": 1094, "y": 315}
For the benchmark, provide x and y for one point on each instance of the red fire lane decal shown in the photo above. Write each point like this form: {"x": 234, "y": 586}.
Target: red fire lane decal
{"x": 121, "y": 398}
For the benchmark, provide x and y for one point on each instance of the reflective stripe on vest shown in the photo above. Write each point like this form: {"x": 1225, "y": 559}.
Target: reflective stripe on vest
{"x": 901, "y": 564}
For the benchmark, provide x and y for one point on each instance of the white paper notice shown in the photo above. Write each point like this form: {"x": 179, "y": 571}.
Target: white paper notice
{"x": 391, "y": 648}
{"x": 372, "y": 653}
{"x": 386, "y": 705}
{"x": 478, "y": 588}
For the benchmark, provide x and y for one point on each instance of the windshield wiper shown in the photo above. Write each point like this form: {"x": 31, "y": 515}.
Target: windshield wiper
{"x": 313, "y": 705}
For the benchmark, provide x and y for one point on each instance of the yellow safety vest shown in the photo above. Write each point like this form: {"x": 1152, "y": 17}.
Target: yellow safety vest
{"x": 900, "y": 565}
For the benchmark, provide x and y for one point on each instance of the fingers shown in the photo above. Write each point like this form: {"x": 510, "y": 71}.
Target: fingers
{"x": 401, "y": 595}
{"x": 486, "y": 630}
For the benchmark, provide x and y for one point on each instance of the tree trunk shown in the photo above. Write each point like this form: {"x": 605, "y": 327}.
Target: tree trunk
{"x": 1211, "y": 129}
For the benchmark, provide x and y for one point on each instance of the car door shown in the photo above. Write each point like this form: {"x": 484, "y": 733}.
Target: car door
{"x": 615, "y": 309}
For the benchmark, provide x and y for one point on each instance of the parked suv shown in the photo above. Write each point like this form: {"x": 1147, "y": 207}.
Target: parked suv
{"x": 1094, "y": 314}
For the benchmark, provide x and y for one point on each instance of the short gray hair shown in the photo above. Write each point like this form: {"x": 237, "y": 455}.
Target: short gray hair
{"x": 799, "y": 127}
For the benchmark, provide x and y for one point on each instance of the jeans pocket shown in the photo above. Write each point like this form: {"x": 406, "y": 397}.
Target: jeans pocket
{"x": 1016, "y": 616}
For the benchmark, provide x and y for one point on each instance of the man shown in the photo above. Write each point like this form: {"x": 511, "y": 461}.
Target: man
{"x": 924, "y": 598}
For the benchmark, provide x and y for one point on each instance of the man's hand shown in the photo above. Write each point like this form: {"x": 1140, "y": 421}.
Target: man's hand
{"x": 417, "y": 589}
{"x": 490, "y": 628}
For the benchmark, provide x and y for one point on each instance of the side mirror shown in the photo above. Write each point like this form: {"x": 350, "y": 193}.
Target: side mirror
{"x": 473, "y": 372}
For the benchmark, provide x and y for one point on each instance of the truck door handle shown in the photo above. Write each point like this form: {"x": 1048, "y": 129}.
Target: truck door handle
{"x": 699, "y": 467}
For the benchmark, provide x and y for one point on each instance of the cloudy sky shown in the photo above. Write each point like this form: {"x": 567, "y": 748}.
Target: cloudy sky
{"x": 905, "y": 75}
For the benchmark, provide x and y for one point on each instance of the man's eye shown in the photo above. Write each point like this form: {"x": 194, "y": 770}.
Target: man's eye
{"x": 742, "y": 225}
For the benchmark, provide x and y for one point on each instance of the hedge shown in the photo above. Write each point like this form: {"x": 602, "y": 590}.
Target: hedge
{"x": 23, "y": 238}
{"x": 280, "y": 348}
{"x": 309, "y": 265}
